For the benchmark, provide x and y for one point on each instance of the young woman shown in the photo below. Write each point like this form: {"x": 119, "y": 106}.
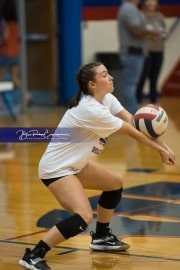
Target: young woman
{"x": 66, "y": 169}
{"x": 154, "y": 60}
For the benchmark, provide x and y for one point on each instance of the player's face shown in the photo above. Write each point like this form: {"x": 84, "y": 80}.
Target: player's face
{"x": 103, "y": 81}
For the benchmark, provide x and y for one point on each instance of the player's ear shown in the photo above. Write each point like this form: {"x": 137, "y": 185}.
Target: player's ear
{"x": 91, "y": 85}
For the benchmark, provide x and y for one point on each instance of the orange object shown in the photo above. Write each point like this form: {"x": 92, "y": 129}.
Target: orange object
{"x": 10, "y": 48}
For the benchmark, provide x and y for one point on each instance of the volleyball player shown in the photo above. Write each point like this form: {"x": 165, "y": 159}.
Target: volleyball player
{"x": 66, "y": 169}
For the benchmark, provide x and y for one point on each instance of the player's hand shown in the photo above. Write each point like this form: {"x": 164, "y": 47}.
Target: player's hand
{"x": 167, "y": 156}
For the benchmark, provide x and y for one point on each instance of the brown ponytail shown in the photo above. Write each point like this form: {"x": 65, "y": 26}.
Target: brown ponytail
{"x": 85, "y": 74}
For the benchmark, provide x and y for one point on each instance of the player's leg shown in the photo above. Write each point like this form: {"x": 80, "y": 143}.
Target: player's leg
{"x": 71, "y": 195}
{"x": 94, "y": 176}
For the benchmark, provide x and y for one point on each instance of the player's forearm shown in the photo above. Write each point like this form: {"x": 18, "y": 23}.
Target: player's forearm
{"x": 167, "y": 155}
{"x": 140, "y": 137}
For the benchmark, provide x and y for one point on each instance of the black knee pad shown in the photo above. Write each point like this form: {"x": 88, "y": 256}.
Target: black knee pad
{"x": 110, "y": 199}
{"x": 71, "y": 226}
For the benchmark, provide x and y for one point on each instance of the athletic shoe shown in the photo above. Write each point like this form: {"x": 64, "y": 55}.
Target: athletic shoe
{"x": 107, "y": 243}
{"x": 32, "y": 261}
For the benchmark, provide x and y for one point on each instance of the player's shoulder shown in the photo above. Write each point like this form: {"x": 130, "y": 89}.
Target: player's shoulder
{"x": 109, "y": 96}
{"x": 109, "y": 99}
{"x": 88, "y": 108}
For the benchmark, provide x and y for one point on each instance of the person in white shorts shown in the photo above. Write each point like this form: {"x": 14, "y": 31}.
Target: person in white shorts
{"x": 67, "y": 170}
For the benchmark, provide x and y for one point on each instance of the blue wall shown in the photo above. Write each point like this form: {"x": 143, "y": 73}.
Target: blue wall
{"x": 69, "y": 47}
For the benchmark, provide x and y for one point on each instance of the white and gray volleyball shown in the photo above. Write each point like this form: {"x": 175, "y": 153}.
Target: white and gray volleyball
{"x": 152, "y": 120}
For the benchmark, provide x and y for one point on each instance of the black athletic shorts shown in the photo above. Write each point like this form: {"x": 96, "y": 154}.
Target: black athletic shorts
{"x": 47, "y": 182}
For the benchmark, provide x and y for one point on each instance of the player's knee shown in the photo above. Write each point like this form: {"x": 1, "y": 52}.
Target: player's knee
{"x": 117, "y": 184}
{"x": 72, "y": 226}
{"x": 87, "y": 216}
{"x": 110, "y": 199}
{"x": 120, "y": 184}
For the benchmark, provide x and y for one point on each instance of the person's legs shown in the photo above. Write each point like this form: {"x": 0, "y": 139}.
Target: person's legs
{"x": 95, "y": 177}
{"x": 2, "y": 67}
{"x": 141, "y": 82}
{"x": 155, "y": 68}
{"x": 13, "y": 65}
{"x": 71, "y": 195}
{"x": 112, "y": 187}
{"x": 15, "y": 76}
{"x": 2, "y": 73}
{"x": 69, "y": 192}
{"x": 132, "y": 67}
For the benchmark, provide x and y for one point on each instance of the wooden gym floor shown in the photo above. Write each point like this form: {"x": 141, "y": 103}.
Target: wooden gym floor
{"x": 148, "y": 217}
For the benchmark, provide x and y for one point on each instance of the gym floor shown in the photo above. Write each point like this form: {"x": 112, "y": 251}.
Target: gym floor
{"x": 148, "y": 217}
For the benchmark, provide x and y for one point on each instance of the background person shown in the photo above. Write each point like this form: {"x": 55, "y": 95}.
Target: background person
{"x": 132, "y": 33}
{"x": 10, "y": 47}
{"x": 154, "y": 59}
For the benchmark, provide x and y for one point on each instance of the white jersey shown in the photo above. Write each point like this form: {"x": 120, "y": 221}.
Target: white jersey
{"x": 88, "y": 125}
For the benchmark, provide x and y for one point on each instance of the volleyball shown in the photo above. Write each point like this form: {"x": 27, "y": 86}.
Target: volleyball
{"x": 152, "y": 120}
